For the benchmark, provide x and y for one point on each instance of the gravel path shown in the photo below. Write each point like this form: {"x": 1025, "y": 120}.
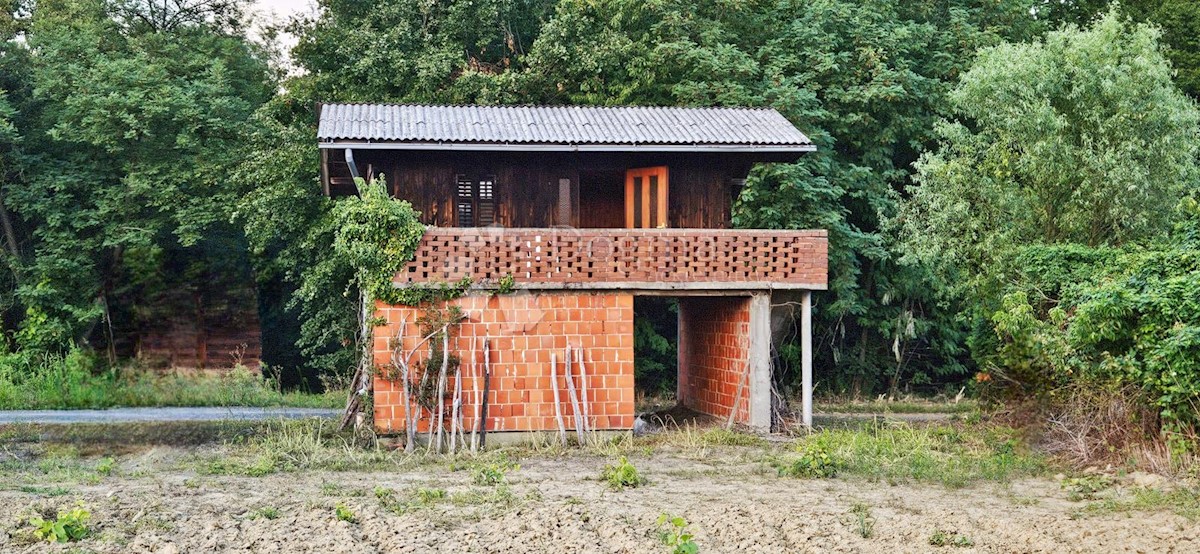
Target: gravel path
{"x": 133, "y": 415}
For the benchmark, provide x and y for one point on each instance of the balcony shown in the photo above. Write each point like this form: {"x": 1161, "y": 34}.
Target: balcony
{"x": 622, "y": 259}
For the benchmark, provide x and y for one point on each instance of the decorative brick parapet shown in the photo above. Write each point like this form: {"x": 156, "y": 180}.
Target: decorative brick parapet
{"x": 632, "y": 259}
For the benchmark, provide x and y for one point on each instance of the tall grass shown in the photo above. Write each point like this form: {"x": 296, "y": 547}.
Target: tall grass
{"x": 897, "y": 452}
{"x": 73, "y": 381}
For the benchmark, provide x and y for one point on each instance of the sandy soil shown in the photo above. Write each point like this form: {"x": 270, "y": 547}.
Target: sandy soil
{"x": 731, "y": 503}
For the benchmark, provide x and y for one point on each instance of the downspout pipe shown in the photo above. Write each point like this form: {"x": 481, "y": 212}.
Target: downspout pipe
{"x": 353, "y": 168}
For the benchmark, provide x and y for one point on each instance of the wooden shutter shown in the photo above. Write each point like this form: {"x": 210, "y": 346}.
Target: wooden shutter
{"x": 466, "y": 201}
{"x": 485, "y": 201}
{"x": 476, "y": 201}
{"x": 646, "y": 198}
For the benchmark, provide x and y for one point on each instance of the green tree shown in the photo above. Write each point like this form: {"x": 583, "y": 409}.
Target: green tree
{"x": 1079, "y": 138}
{"x": 1179, "y": 21}
{"x": 131, "y": 132}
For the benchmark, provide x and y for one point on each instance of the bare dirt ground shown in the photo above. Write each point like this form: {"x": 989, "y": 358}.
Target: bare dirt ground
{"x": 156, "y": 501}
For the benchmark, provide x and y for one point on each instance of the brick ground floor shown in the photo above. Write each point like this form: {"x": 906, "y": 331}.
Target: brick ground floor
{"x": 724, "y": 352}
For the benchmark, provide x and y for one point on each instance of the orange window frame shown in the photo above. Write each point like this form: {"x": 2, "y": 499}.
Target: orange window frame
{"x": 646, "y": 197}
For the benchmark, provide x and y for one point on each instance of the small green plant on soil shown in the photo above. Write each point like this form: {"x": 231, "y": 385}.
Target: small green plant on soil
{"x": 1087, "y": 487}
{"x": 500, "y": 497}
{"x": 492, "y": 473}
{"x": 673, "y": 532}
{"x": 950, "y": 538}
{"x": 265, "y": 512}
{"x": 106, "y": 465}
{"x": 344, "y": 514}
{"x": 815, "y": 462}
{"x": 864, "y": 522}
{"x": 420, "y": 498}
{"x": 64, "y": 526}
{"x": 430, "y": 496}
{"x": 622, "y": 475}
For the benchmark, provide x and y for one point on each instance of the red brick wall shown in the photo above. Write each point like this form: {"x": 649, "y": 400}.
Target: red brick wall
{"x": 525, "y": 329}
{"x": 714, "y": 346}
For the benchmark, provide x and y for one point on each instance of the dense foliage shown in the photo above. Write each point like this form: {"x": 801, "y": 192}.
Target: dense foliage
{"x": 1053, "y": 203}
{"x": 1000, "y": 180}
{"x": 117, "y": 196}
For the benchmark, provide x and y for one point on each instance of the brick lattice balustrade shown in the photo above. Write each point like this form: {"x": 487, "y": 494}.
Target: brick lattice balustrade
{"x": 623, "y": 258}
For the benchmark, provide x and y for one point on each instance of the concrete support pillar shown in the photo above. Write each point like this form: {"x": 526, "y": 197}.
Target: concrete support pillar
{"x": 682, "y": 352}
{"x": 806, "y": 358}
{"x": 760, "y": 363}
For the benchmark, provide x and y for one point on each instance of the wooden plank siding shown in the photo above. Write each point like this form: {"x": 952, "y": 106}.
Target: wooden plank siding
{"x": 527, "y": 192}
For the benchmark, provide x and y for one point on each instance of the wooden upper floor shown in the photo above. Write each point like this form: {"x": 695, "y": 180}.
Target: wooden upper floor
{"x": 474, "y": 166}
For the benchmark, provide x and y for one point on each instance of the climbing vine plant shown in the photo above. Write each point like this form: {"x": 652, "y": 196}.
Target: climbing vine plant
{"x": 378, "y": 235}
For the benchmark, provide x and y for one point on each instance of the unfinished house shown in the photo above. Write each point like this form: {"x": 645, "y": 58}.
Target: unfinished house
{"x": 576, "y": 211}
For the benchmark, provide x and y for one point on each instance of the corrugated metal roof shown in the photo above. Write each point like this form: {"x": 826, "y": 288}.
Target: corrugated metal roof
{"x": 559, "y": 125}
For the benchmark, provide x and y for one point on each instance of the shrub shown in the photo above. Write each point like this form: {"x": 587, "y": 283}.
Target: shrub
{"x": 65, "y": 526}
{"x": 1132, "y": 319}
{"x": 622, "y": 475}
{"x": 814, "y": 462}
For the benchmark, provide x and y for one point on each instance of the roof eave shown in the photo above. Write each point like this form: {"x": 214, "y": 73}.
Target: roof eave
{"x": 531, "y": 147}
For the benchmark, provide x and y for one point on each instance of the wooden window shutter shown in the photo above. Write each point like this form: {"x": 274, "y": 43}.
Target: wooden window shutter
{"x": 485, "y": 201}
{"x": 476, "y": 201}
{"x": 465, "y": 201}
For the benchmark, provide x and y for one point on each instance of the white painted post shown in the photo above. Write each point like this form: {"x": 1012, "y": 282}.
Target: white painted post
{"x": 806, "y": 357}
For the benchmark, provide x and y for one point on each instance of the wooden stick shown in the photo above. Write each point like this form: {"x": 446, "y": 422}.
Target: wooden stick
{"x": 475, "y": 378}
{"x": 562, "y": 428}
{"x": 402, "y": 363}
{"x": 455, "y": 404}
{"x": 441, "y": 388}
{"x": 579, "y": 430}
{"x": 487, "y": 381}
{"x": 583, "y": 391}
{"x": 411, "y": 416}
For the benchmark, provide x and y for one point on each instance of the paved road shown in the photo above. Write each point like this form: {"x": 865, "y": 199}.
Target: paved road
{"x": 130, "y": 415}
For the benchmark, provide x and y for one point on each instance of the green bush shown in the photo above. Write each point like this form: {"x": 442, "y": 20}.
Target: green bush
{"x": 345, "y": 514}
{"x": 622, "y": 475}
{"x": 815, "y": 462}
{"x": 66, "y": 526}
{"x": 1129, "y": 319}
